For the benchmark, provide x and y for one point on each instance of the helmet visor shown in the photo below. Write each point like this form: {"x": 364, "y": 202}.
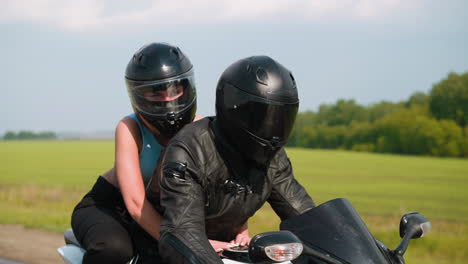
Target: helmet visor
{"x": 262, "y": 117}
{"x": 162, "y": 96}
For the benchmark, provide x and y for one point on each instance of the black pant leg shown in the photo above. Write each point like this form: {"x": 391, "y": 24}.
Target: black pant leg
{"x": 104, "y": 237}
{"x": 145, "y": 246}
{"x": 101, "y": 224}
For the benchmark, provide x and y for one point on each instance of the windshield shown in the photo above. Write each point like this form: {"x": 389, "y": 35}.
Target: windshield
{"x": 335, "y": 228}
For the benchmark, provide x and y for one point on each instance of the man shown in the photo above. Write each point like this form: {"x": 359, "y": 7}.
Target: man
{"x": 217, "y": 172}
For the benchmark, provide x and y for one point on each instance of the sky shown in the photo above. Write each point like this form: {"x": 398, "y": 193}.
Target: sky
{"x": 62, "y": 62}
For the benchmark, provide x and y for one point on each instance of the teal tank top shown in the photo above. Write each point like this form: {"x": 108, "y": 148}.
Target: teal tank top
{"x": 150, "y": 151}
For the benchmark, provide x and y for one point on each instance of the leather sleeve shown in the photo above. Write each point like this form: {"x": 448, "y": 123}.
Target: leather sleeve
{"x": 183, "y": 236}
{"x": 288, "y": 197}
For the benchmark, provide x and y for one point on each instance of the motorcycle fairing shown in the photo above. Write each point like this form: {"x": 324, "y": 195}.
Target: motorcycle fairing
{"x": 335, "y": 227}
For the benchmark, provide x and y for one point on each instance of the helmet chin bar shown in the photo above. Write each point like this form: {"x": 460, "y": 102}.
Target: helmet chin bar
{"x": 171, "y": 118}
{"x": 272, "y": 144}
{"x": 168, "y": 126}
{"x": 172, "y": 122}
{"x": 253, "y": 148}
{"x": 266, "y": 149}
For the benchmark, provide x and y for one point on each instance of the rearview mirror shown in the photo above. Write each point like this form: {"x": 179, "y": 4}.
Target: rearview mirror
{"x": 412, "y": 225}
{"x": 415, "y": 223}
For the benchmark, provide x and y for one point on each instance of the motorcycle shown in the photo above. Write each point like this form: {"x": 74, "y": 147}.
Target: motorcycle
{"x": 331, "y": 233}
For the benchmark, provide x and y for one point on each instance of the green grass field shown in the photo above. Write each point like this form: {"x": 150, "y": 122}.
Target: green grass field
{"x": 41, "y": 181}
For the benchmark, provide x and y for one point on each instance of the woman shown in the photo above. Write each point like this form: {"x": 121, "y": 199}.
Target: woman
{"x": 160, "y": 84}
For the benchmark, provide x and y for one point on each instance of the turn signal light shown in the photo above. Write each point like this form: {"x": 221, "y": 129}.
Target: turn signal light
{"x": 284, "y": 252}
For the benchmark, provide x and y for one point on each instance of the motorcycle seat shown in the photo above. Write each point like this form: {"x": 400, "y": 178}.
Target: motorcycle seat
{"x": 70, "y": 238}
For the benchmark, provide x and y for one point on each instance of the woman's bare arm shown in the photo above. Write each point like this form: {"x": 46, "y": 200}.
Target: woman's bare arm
{"x": 129, "y": 179}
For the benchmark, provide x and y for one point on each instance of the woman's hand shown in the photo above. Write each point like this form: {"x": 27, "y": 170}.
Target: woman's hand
{"x": 242, "y": 239}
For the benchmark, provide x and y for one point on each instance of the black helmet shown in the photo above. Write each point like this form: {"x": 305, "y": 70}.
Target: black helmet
{"x": 161, "y": 87}
{"x": 256, "y": 105}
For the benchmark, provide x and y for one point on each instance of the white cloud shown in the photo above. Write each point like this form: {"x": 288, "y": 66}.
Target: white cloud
{"x": 370, "y": 8}
{"x": 86, "y": 14}
{"x": 67, "y": 14}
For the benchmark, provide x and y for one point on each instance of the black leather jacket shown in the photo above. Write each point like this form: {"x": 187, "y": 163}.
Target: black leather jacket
{"x": 208, "y": 192}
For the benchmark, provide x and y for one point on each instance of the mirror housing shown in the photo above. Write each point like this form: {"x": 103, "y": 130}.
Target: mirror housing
{"x": 412, "y": 225}
{"x": 415, "y": 223}
{"x": 277, "y": 246}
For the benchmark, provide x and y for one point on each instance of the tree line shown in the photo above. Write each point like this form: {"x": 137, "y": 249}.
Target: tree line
{"x": 28, "y": 135}
{"x": 434, "y": 123}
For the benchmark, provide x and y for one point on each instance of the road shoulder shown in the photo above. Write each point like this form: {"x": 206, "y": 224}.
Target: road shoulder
{"x": 31, "y": 246}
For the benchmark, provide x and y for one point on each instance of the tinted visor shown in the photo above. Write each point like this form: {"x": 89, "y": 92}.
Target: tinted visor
{"x": 163, "y": 96}
{"x": 264, "y": 118}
